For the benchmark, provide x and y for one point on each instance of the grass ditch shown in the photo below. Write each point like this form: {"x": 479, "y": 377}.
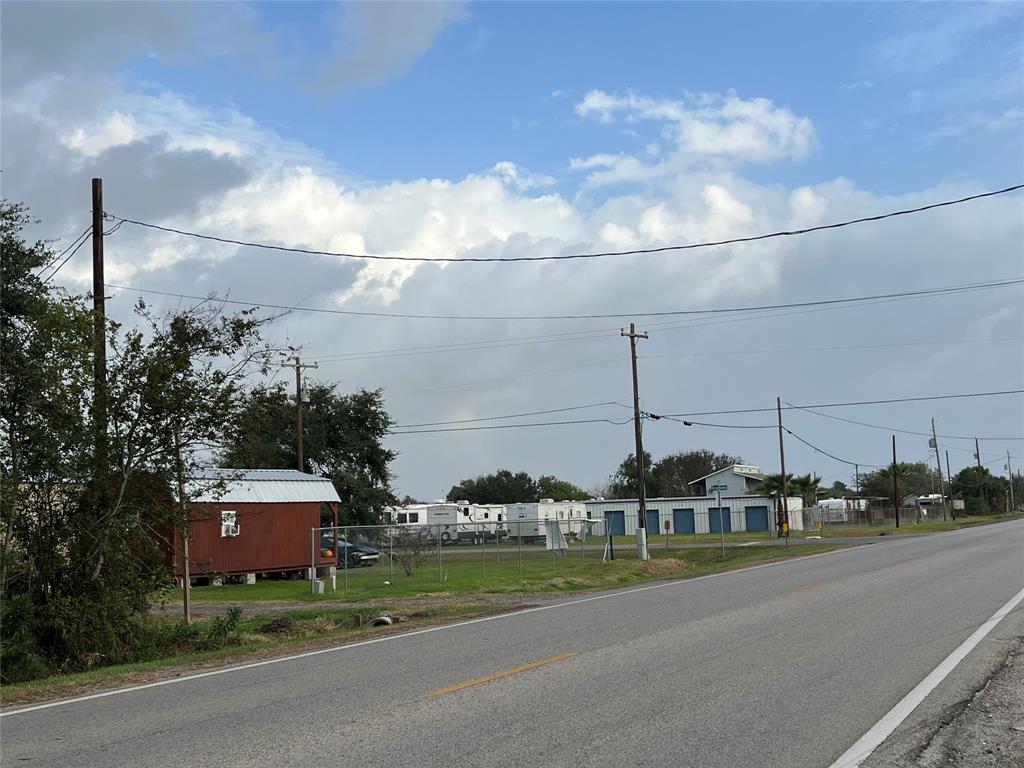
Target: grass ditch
{"x": 236, "y": 636}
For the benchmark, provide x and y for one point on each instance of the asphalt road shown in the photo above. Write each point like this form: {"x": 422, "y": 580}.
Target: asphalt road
{"x": 785, "y": 665}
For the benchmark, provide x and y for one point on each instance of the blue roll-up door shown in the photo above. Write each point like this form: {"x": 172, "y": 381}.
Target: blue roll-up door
{"x": 682, "y": 521}
{"x": 616, "y": 522}
{"x": 651, "y": 520}
{"x": 718, "y": 522}
{"x": 757, "y": 518}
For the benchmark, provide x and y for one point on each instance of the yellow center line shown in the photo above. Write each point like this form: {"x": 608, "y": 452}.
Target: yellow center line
{"x": 498, "y": 675}
{"x": 805, "y": 588}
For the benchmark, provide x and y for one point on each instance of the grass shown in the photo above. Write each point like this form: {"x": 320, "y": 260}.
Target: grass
{"x": 311, "y": 627}
{"x": 465, "y": 572}
{"x": 908, "y": 527}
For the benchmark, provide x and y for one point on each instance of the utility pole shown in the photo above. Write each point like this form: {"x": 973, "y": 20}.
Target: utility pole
{"x": 99, "y": 333}
{"x": 641, "y": 523}
{"x": 298, "y": 365}
{"x": 981, "y": 477}
{"x": 895, "y": 488}
{"x": 1009, "y": 474}
{"x": 952, "y": 511}
{"x": 938, "y": 463}
{"x": 782, "y": 515}
{"x": 186, "y": 532}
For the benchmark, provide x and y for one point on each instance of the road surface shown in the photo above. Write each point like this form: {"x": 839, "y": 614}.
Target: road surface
{"x": 781, "y": 665}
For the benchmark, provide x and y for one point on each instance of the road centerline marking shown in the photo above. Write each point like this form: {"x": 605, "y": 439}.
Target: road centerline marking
{"x": 497, "y": 675}
{"x": 881, "y": 730}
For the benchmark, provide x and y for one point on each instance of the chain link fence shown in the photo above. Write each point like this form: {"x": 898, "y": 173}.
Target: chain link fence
{"x": 432, "y": 558}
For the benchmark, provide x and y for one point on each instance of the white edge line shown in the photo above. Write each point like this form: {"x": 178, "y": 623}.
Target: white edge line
{"x": 414, "y": 633}
{"x": 881, "y": 730}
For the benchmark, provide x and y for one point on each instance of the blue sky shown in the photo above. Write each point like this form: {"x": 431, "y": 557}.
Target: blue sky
{"x": 500, "y": 80}
{"x": 518, "y": 128}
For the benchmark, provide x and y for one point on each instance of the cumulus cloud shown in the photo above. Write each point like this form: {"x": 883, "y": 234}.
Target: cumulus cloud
{"x": 700, "y": 129}
{"x": 381, "y": 40}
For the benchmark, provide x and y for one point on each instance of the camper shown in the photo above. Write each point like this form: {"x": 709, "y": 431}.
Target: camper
{"x": 527, "y": 521}
{"x": 451, "y": 522}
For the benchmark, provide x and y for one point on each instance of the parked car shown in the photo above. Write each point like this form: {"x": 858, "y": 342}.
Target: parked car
{"x": 349, "y": 555}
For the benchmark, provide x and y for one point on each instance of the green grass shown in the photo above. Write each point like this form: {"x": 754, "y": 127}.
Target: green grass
{"x": 466, "y": 572}
{"x": 323, "y": 625}
{"x": 908, "y": 527}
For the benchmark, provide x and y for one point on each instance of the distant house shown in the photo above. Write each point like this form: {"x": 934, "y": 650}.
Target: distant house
{"x": 738, "y": 479}
{"x": 252, "y": 521}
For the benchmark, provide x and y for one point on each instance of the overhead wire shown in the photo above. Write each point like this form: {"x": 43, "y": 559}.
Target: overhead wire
{"x": 511, "y": 415}
{"x": 511, "y": 426}
{"x": 67, "y": 258}
{"x": 945, "y": 290}
{"x": 571, "y": 256}
{"x": 832, "y": 455}
{"x": 60, "y": 255}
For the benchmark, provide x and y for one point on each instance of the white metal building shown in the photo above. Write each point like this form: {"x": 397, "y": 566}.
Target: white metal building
{"x": 693, "y": 514}
{"x": 738, "y": 479}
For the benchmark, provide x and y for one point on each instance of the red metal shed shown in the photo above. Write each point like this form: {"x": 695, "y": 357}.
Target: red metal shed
{"x": 254, "y": 521}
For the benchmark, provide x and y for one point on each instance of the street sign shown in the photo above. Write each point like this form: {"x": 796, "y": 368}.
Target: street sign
{"x": 719, "y": 488}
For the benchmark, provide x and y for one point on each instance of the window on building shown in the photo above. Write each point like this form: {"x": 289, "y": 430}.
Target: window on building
{"x": 402, "y": 518}
{"x": 487, "y": 515}
{"x": 414, "y": 517}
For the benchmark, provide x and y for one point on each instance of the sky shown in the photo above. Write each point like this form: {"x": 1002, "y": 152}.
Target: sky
{"x": 501, "y": 130}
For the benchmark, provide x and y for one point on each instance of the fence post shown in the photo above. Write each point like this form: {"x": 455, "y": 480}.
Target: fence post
{"x": 336, "y": 541}
{"x": 391, "y": 556}
{"x": 497, "y": 543}
{"x": 312, "y": 561}
{"x": 440, "y": 578}
{"x": 519, "y": 530}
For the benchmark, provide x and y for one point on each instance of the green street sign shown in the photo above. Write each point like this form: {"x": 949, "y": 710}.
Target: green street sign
{"x": 719, "y": 488}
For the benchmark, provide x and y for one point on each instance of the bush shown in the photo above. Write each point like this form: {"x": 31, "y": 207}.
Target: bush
{"x": 20, "y": 658}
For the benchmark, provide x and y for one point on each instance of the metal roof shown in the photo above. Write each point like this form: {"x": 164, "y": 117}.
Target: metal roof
{"x": 240, "y": 486}
{"x": 743, "y": 470}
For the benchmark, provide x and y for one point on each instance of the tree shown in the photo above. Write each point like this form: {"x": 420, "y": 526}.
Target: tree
{"x": 623, "y": 484}
{"x": 550, "y": 487}
{"x": 913, "y": 479}
{"x": 501, "y": 486}
{"x": 81, "y": 553}
{"x": 807, "y": 487}
{"x": 982, "y": 491}
{"x": 771, "y": 486}
{"x": 342, "y": 440}
{"x": 672, "y": 475}
{"x": 839, "y": 489}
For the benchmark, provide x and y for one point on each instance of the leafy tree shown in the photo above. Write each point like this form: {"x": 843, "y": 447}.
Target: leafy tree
{"x": 672, "y": 475}
{"x": 501, "y": 486}
{"x": 342, "y": 440}
{"x": 840, "y": 489}
{"x": 623, "y": 484}
{"x": 80, "y": 552}
{"x": 913, "y": 479}
{"x": 982, "y": 491}
{"x": 550, "y": 487}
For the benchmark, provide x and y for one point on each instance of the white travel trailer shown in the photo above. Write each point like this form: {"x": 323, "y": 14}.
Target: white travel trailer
{"x": 451, "y": 522}
{"x": 527, "y": 521}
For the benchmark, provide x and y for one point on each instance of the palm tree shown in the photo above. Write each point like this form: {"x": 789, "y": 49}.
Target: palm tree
{"x": 807, "y": 486}
{"x": 771, "y": 487}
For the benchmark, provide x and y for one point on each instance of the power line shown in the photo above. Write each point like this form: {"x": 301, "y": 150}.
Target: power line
{"x": 658, "y": 417}
{"x": 852, "y": 403}
{"x": 604, "y": 316}
{"x": 833, "y": 456}
{"x": 510, "y": 415}
{"x": 831, "y": 349}
{"x": 896, "y": 429}
{"x": 67, "y": 258}
{"x": 72, "y": 244}
{"x": 569, "y": 256}
{"x": 513, "y": 426}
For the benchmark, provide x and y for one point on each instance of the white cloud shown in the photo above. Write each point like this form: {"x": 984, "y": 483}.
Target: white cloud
{"x": 700, "y": 129}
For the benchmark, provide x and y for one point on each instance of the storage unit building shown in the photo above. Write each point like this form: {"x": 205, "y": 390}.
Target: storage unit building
{"x": 250, "y": 521}
{"x": 692, "y": 514}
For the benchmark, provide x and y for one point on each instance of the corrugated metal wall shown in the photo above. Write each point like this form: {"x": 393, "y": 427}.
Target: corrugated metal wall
{"x": 272, "y": 537}
{"x": 701, "y": 507}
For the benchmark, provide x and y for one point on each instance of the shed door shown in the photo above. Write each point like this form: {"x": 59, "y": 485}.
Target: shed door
{"x": 757, "y": 518}
{"x": 651, "y": 521}
{"x": 719, "y": 522}
{"x": 682, "y": 521}
{"x": 616, "y": 522}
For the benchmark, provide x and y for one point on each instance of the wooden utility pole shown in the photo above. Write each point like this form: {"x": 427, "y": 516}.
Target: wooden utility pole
{"x": 952, "y": 511}
{"x": 895, "y": 487}
{"x": 938, "y": 464}
{"x": 782, "y": 514}
{"x": 99, "y": 333}
{"x": 1009, "y": 474}
{"x": 186, "y": 533}
{"x": 641, "y": 523}
{"x": 298, "y": 365}
{"x": 981, "y": 477}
